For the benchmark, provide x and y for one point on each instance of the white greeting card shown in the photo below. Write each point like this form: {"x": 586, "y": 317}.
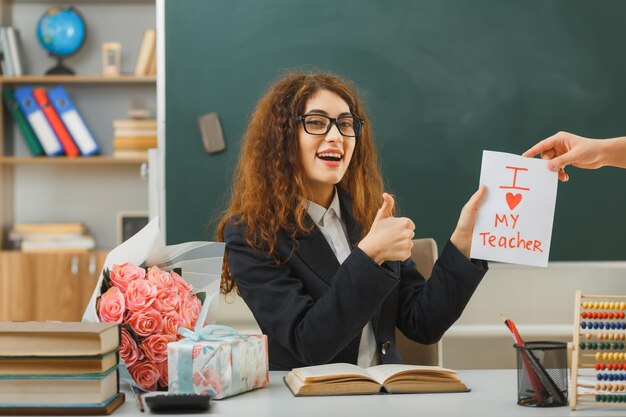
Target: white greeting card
{"x": 514, "y": 222}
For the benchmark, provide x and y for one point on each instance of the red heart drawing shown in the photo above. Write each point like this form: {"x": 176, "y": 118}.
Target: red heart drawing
{"x": 513, "y": 199}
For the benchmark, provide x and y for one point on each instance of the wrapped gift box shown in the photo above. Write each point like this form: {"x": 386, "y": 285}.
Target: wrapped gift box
{"x": 221, "y": 367}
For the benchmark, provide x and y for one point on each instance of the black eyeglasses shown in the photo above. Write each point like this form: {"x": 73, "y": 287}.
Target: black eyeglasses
{"x": 318, "y": 124}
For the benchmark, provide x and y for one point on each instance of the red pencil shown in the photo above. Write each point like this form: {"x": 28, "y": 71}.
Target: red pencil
{"x": 534, "y": 380}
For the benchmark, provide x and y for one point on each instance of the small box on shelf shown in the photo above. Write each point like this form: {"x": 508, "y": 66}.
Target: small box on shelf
{"x": 111, "y": 59}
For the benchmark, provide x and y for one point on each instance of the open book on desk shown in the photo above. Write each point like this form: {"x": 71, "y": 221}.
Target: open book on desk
{"x": 348, "y": 379}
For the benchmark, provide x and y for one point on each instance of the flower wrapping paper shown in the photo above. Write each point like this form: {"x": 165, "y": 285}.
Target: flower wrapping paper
{"x": 220, "y": 368}
{"x": 143, "y": 354}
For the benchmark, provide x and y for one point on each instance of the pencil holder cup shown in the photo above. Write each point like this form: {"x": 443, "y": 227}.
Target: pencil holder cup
{"x": 542, "y": 374}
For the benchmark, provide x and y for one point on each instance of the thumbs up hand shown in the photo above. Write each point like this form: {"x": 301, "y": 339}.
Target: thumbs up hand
{"x": 386, "y": 210}
{"x": 389, "y": 238}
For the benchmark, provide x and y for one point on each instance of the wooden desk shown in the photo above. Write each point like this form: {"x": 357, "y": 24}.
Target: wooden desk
{"x": 494, "y": 393}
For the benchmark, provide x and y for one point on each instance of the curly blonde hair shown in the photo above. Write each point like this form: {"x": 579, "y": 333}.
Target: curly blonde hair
{"x": 280, "y": 180}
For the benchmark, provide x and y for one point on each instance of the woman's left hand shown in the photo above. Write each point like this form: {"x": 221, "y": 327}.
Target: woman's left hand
{"x": 462, "y": 235}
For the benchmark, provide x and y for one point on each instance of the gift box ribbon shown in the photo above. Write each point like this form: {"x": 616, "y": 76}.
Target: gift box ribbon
{"x": 207, "y": 334}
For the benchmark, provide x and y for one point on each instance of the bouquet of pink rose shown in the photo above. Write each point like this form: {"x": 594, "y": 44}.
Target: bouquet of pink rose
{"x": 151, "y": 305}
{"x": 174, "y": 287}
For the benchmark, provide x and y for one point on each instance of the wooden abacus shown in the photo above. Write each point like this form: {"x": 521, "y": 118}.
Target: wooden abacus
{"x": 599, "y": 351}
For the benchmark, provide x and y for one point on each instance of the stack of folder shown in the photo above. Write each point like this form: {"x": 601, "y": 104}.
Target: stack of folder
{"x": 133, "y": 137}
{"x": 59, "y": 368}
{"x": 50, "y": 122}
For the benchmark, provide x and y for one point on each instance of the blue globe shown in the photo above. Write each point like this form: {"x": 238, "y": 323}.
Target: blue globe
{"x": 61, "y": 31}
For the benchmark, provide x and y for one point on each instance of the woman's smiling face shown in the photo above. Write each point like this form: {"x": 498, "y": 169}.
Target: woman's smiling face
{"x": 325, "y": 158}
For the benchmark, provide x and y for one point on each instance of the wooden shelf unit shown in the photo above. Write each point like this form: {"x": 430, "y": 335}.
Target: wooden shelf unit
{"x": 16, "y": 163}
{"x": 56, "y": 285}
{"x": 9, "y": 162}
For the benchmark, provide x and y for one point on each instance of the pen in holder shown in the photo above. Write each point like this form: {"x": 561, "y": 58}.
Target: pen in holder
{"x": 542, "y": 374}
{"x": 541, "y": 371}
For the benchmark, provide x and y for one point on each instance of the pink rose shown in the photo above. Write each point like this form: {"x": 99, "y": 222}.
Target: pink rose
{"x": 163, "y": 373}
{"x": 145, "y": 374}
{"x": 124, "y": 274}
{"x": 160, "y": 278}
{"x": 189, "y": 309}
{"x": 140, "y": 294}
{"x": 112, "y": 306}
{"x": 155, "y": 347}
{"x": 146, "y": 322}
{"x": 171, "y": 322}
{"x": 129, "y": 351}
{"x": 181, "y": 285}
{"x": 167, "y": 299}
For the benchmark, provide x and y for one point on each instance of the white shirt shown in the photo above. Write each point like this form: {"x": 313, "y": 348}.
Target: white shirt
{"x": 334, "y": 230}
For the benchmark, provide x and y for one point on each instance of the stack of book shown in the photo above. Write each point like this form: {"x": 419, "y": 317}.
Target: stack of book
{"x": 49, "y": 122}
{"x": 133, "y": 137}
{"x": 51, "y": 236}
{"x": 11, "y": 56}
{"x": 59, "y": 368}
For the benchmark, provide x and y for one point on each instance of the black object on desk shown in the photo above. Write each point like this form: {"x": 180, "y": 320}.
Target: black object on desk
{"x": 178, "y": 403}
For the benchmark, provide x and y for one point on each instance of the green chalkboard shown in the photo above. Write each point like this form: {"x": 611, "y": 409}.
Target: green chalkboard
{"x": 442, "y": 79}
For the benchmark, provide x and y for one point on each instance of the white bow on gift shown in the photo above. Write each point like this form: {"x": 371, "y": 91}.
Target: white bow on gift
{"x": 208, "y": 333}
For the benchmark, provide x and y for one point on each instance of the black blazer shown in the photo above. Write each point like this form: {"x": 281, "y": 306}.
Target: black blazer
{"x": 313, "y": 310}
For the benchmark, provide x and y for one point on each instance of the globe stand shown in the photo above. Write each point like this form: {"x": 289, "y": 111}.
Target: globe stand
{"x": 59, "y": 68}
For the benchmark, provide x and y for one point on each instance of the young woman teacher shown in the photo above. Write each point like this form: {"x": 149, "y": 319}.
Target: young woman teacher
{"x": 312, "y": 243}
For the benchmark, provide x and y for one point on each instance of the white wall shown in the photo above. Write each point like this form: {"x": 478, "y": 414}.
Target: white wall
{"x": 539, "y": 300}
